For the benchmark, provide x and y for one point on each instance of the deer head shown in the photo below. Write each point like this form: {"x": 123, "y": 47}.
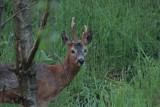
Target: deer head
{"x": 77, "y": 48}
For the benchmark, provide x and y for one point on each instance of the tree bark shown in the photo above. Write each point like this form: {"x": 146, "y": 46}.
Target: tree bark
{"x": 23, "y": 37}
{"x": 1, "y": 16}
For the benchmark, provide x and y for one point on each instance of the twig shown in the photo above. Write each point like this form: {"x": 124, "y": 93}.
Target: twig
{"x": 64, "y": 68}
{"x": 3, "y": 24}
{"x": 46, "y": 14}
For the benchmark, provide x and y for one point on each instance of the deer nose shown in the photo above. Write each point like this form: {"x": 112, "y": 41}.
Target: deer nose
{"x": 81, "y": 61}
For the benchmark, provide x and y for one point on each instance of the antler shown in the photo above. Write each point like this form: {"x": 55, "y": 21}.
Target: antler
{"x": 84, "y": 33}
{"x": 73, "y": 30}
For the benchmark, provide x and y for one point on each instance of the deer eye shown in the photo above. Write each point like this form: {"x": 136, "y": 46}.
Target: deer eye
{"x": 85, "y": 50}
{"x": 72, "y": 51}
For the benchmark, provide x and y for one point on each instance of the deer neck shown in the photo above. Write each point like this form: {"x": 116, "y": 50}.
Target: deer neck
{"x": 71, "y": 71}
{"x": 71, "y": 68}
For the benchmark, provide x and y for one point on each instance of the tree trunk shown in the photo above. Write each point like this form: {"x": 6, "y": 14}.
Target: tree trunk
{"x": 1, "y": 16}
{"x": 24, "y": 41}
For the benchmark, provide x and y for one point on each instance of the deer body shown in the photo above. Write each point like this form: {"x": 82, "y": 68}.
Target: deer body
{"x": 51, "y": 78}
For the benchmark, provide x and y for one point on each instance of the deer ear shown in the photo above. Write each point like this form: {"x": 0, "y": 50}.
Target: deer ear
{"x": 65, "y": 38}
{"x": 87, "y": 39}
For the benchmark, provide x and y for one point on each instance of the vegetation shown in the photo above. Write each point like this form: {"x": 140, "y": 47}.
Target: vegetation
{"x": 122, "y": 67}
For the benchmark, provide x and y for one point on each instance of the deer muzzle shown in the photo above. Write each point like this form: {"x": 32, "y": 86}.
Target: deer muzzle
{"x": 81, "y": 61}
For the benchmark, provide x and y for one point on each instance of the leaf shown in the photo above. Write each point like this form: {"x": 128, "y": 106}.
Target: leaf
{"x": 43, "y": 53}
{"x": 48, "y": 59}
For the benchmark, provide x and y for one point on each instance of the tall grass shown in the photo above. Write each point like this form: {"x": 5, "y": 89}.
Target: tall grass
{"x": 122, "y": 67}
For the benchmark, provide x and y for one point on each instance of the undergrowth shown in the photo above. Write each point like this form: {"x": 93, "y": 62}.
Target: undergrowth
{"x": 122, "y": 67}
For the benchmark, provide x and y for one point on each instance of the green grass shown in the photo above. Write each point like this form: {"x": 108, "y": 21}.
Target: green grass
{"x": 122, "y": 67}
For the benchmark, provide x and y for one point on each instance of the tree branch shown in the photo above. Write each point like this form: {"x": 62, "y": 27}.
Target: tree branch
{"x": 46, "y": 14}
{"x": 33, "y": 52}
{"x": 36, "y": 44}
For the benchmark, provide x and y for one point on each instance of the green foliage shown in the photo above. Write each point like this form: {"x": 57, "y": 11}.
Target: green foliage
{"x": 122, "y": 67}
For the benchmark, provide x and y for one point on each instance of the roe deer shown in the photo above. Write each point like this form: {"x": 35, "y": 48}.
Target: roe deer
{"x": 51, "y": 78}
